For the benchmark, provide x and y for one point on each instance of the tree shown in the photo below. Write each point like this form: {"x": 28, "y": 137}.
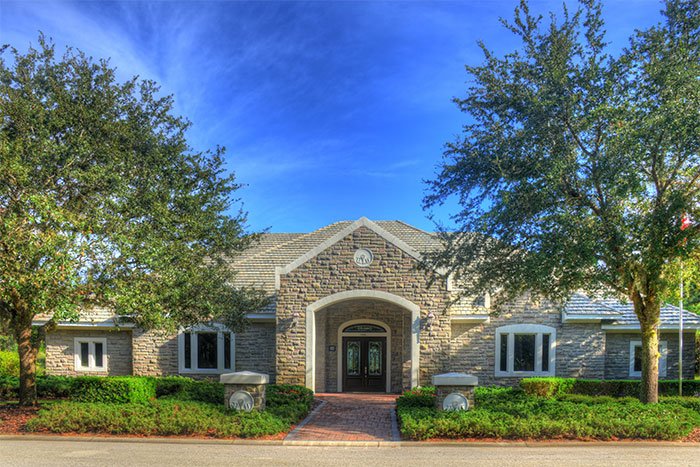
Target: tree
{"x": 103, "y": 203}
{"x": 577, "y": 166}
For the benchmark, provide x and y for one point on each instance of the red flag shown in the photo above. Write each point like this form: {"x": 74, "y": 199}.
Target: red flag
{"x": 685, "y": 222}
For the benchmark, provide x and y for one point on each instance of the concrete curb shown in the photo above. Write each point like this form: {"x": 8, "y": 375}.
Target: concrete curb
{"x": 381, "y": 444}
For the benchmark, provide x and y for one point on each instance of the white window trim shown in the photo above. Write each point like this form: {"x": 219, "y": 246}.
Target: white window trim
{"x": 663, "y": 359}
{"x": 539, "y": 330}
{"x": 91, "y": 341}
{"x": 195, "y": 330}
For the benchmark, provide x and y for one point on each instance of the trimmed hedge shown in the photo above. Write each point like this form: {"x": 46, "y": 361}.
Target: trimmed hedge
{"x": 556, "y": 387}
{"x": 156, "y": 417}
{"x": 114, "y": 390}
{"x": 47, "y": 387}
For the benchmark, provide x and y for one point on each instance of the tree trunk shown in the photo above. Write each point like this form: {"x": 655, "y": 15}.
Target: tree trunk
{"x": 27, "y": 366}
{"x": 649, "y": 392}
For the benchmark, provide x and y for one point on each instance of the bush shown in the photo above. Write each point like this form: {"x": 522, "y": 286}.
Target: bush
{"x": 547, "y": 387}
{"x": 556, "y": 387}
{"x": 47, "y": 387}
{"x": 156, "y": 417}
{"x": 188, "y": 389}
{"x": 417, "y": 397}
{"x": 9, "y": 363}
{"x": 116, "y": 389}
{"x": 289, "y": 402}
{"x": 512, "y": 414}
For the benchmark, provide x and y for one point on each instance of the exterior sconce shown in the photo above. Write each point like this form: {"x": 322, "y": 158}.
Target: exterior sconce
{"x": 295, "y": 319}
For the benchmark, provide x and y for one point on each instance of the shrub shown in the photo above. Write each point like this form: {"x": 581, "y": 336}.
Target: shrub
{"x": 281, "y": 394}
{"x": 417, "y": 397}
{"x": 47, "y": 387}
{"x": 516, "y": 415}
{"x": 156, "y": 417}
{"x": 188, "y": 389}
{"x": 54, "y": 387}
{"x": 547, "y": 387}
{"x": 556, "y": 387}
{"x": 9, "y": 363}
{"x": 116, "y": 389}
{"x": 9, "y": 386}
{"x": 289, "y": 402}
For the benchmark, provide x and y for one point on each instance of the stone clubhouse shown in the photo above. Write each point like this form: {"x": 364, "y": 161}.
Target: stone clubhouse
{"x": 351, "y": 312}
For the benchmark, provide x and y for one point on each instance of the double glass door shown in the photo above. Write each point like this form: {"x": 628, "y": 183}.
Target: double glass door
{"x": 364, "y": 361}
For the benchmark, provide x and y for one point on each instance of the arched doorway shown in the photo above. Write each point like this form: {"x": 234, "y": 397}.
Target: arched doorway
{"x": 399, "y": 304}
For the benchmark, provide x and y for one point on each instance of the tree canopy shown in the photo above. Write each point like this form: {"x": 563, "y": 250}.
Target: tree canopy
{"x": 104, "y": 203}
{"x": 577, "y": 165}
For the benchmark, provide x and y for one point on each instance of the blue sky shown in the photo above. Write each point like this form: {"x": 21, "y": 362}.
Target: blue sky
{"x": 328, "y": 110}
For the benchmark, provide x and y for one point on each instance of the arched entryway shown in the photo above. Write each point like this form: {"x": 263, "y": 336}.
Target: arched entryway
{"x": 327, "y": 320}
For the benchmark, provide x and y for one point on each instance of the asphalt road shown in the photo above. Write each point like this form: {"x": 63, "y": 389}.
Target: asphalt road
{"x": 25, "y": 452}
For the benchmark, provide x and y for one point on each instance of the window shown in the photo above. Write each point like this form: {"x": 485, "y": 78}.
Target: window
{"x": 90, "y": 353}
{"x": 525, "y": 350}
{"x": 206, "y": 350}
{"x": 636, "y": 359}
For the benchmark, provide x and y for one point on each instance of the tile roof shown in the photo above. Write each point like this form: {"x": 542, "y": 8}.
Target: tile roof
{"x": 256, "y": 267}
{"x": 622, "y": 313}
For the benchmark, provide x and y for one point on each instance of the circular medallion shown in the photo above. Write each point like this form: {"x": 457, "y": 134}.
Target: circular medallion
{"x": 363, "y": 257}
{"x": 455, "y": 401}
{"x": 241, "y": 400}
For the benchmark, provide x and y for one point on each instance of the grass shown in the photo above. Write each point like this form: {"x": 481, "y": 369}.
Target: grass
{"x": 506, "y": 413}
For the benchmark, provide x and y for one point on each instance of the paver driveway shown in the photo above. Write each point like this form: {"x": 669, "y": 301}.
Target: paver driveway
{"x": 351, "y": 417}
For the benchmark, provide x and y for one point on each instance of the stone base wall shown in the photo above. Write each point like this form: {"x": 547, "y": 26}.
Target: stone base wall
{"x": 60, "y": 352}
{"x": 255, "y": 349}
{"x": 255, "y": 390}
{"x": 617, "y": 354}
{"x": 443, "y": 391}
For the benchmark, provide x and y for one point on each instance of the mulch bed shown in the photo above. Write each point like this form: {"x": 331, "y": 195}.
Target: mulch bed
{"x": 14, "y": 418}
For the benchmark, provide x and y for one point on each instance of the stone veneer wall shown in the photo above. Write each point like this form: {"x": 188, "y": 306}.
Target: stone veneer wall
{"x": 333, "y": 271}
{"x": 255, "y": 349}
{"x": 155, "y": 353}
{"x": 580, "y": 348}
{"x": 617, "y": 354}
{"x": 329, "y": 320}
{"x": 60, "y": 352}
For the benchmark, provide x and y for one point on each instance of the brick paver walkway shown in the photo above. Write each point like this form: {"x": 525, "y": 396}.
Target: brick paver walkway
{"x": 351, "y": 417}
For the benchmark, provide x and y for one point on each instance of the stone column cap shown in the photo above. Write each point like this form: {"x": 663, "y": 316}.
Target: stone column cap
{"x": 455, "y": 379}
{"x": 244, "y": 377}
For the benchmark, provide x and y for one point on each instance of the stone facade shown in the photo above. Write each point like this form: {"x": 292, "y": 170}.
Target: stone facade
{"x": 60, "y": 352}
{"x": 333, "y": 271}
{"x": 317, "y": 273}
{"x": 617, "y": 354}
{"x": 155, "y": 353}
{"x": 255, "y": 349}
{"x": 580, "y": 348}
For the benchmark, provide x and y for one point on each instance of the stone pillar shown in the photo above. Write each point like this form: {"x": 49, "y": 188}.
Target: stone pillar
{"x": 454, "y": 391}
{"x": 244, "y": 390}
